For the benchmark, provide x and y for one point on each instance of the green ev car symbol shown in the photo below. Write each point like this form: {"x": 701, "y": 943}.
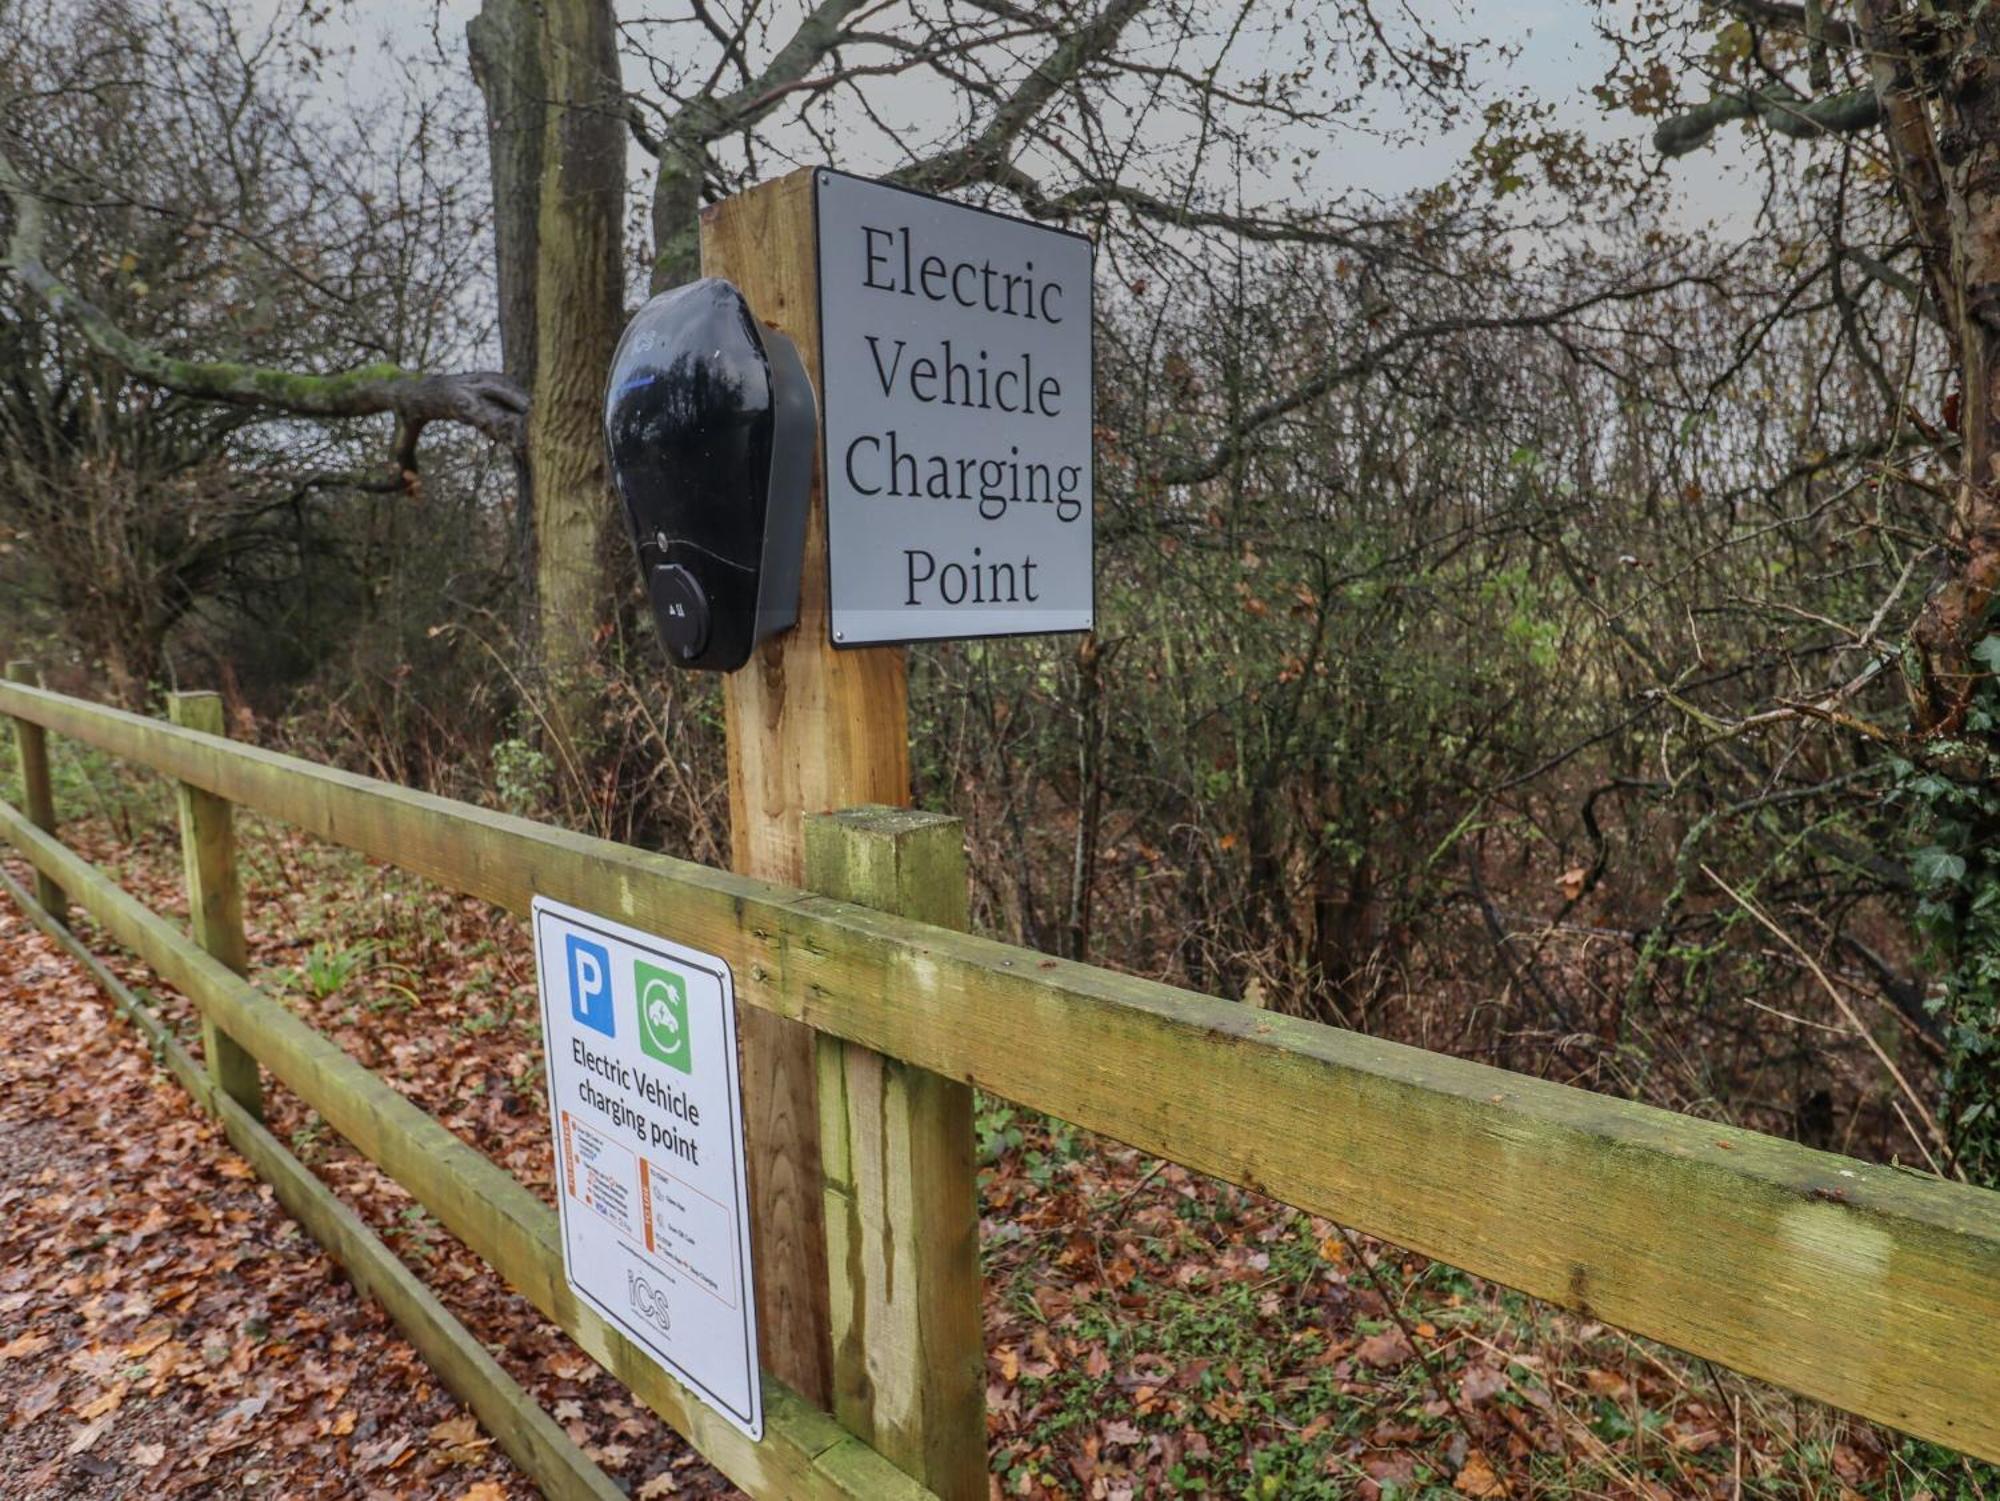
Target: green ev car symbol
{"x": 663, "y": 1015}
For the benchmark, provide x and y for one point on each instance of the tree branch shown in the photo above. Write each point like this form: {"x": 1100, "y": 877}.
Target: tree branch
{"x": 1218, "y": 458}
{"x": 1782, "y": 111}
{"x": 987, "y": 156}
{"x": 817, "y": 35}
{"x": 1799, "y": 18}
{"x": 486, "y": 401}
{"x": 934, "y": 175}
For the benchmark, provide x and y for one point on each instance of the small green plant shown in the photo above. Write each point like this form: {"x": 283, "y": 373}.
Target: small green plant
{"x": 393, "y": 997}
{"x": 997, "y": 1132}
{"x": 84, "y": 779}
{"x": 327, "y": 969}
{"x": 1943, "y": 1473}
{"x": 523, "y": 776}
{"x": 421, "y": 1234}
{"x": 309, "y": 1140}
{"x": 1065, "y": 1146}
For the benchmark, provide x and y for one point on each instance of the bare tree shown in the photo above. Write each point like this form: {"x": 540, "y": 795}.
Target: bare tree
{"x": 177, "y": 220}
{"x": 1111, "y": 116}
{"x": 1879, "y": 124}
{"x": 1921, "y": 82}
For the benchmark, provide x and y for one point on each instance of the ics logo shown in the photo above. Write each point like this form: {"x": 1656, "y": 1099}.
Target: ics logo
{"x": 648, "y": 1302}
{"x": 590, "y": 985}
{"x": 663, "y": 1015}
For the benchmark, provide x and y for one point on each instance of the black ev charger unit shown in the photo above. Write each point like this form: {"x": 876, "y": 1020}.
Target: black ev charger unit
{"x": 710, "y": 426}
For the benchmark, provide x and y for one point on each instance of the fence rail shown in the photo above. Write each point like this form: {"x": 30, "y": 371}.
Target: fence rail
{"x": 1868, "y": 1287}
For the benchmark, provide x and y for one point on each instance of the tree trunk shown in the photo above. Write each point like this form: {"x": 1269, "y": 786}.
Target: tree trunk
{"x": 578, "y": 301}
{"x": 676, "y": 216}
{"x": 1938, "y": 91}
{"x": 1936, "y": 77}
{"x": 1343, "y": 908}
{"x": 1090, "y": 792}
{"x": 504, "y": 43}
{"x": 1956, "y": 616}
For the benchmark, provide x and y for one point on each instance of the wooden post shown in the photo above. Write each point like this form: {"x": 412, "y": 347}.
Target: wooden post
{"x": 902, "y": 1213}
{"x": 215, "y": 900}
{"x": 38, "y": 792}
{"x": 810, "y": 730}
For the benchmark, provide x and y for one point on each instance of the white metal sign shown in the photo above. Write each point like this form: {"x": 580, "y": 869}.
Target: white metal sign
{"x": 647, "y": 1115}
{"x": 955, "y": 367}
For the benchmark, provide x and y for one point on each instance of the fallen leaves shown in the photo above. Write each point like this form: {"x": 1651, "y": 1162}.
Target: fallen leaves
{"x": 1481, "y": 1383}
{"x": 459, "y": 1441}
{"x": 1158, "y": 1332}
{"x": 23, "y": 1345}
{"x": 149, "y": 1340}
{"x": 1397, "y": 1467}
{"x": 1387, "y": 1350}
{"x": 38, "y": 1400}
{"x": 1608, "y": 1384}
{"x": 86, "y": 1437}
{"x": 1476, "y": 1477}
{"x": 1693, "y": 1439}
{"x": 160, "y": 1317}
{"x": 105, "y": 1402}
{"x": 384, "y": 1454}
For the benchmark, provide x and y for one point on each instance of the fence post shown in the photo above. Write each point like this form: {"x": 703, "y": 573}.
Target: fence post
{"x": 902, "y": 1213}
{"x": 215, "y": 899}
{"x": 38, "y": 793}
{"x": 809, "y": 728}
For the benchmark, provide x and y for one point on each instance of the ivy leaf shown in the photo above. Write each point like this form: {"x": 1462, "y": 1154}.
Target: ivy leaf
{"x": 1987, "y": 652}
{"x": 1934, "y": 865}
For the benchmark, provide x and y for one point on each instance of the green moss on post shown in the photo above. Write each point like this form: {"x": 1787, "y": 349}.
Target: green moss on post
{"x": 215, "y": 900}
{"x": 902, "y": 1217}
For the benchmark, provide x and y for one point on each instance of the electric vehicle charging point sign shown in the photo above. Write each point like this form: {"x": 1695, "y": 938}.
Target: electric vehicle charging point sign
{"x": 645, "y": 1105}
{"x": 955, "y": 376}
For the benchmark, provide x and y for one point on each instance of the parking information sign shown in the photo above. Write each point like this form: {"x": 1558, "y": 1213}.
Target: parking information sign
{"x": 647, "y": 1116}
{"x": 955, "y": 363}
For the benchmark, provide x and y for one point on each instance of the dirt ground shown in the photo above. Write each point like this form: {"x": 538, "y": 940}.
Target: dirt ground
{"x": 165, "y": 1329}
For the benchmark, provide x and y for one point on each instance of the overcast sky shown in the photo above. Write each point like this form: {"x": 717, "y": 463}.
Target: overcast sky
{"x": 1550, "y": 49}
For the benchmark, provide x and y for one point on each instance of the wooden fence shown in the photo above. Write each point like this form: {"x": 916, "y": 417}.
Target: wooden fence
{"x": 1872, "y": 1288}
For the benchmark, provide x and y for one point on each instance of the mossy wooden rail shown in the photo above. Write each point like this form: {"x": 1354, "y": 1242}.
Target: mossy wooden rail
{"x": 1872, "y": 1288}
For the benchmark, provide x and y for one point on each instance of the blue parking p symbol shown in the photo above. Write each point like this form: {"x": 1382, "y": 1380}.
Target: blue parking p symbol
{"x": 590, "y": 985}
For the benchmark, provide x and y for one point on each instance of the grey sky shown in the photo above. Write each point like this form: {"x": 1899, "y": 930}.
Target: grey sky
{"x": 1557, "y": 54}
